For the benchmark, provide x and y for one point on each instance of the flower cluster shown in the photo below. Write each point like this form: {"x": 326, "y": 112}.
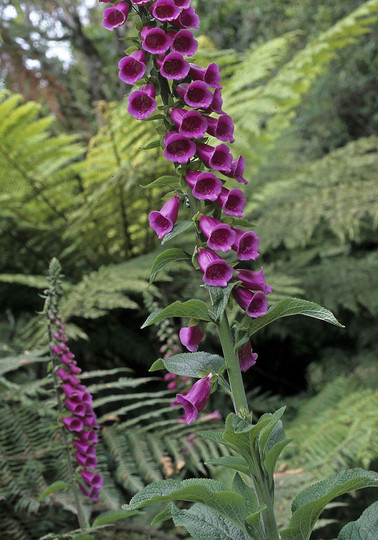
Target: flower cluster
{"x": 192, "y": 103}
{"x": 81, "y": 421}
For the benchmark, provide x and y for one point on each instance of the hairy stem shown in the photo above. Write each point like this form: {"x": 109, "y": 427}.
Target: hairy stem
{"x": 234, "y": 374}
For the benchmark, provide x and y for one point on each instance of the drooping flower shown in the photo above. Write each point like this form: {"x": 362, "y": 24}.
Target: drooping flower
{"x": 183, "y": 42}
{"x": 247, "y": 358}
{"x": 254, "y": 304}
{"x": 115, "y": 16}
{"x": 142, "y": 102}
{"x": 218, "y": 158}
{"x": 173, "y": 66}
{"x": 205, "y": 185}
{"x": 219, "y": 235}
{"x": 190, "y": 123}
{"x": 210, "y": 75}
{"x": 139, "y": 2}
{"x": 132, "y": 67}
{"x": 216, "y": 271}
{"x": 155, "y": 40}
{"x": 164, "y": 10}
{"x": 190, "y": 337}
{"x": 162, "y": 222}
{"x": 195, "y": 400}
{"x": 246, "y": 244}
{"x": 195, "y": 94}
{"x": 187, "y": 19}
{"x": 216, "y": 103}
{"x": 237, "y": 170}
{"x": 222, "y": 128}
{"x": 254, "y": 281}
{"x": 178, "y": 148}
{"x": 232, "y": 202}
{"x": 182, "y": 3}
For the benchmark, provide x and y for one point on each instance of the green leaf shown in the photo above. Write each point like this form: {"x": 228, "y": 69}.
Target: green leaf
{"x": 157, "y": 365}
{"x": 193, "y": 309}
{"x": 56, "y": 486}
{"x": 167, "y": 257}
{"x": 194, "y": 364}
{"x": 272, "y": 456}
{"x": 220, "y": 296}
{"x": 83, "y": 536}
{"x": 213, "y": 494}
{"x": 164, "y": 515}
{"x": 111, "y": 516}
{"x": 267, "y": 430}
{"x": 170, "y": 181}
{"x": 230, "y": 462}
{"x": 293, "y": 306}
{"x": 309, "y": 504}
{"x": 248, "y": 494}
{"x": 202, "y": 523}
{"x": 152, "y": 144}
{"x": 365, "y": 528}
{"x": 178, "y": 229}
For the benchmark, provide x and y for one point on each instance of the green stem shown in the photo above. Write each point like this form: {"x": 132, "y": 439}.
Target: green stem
{"x": 264, "y": 497}
{"x": 234, "y": 374}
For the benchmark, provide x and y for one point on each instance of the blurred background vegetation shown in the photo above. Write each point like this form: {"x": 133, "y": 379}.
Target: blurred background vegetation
{"x": 300, "y": 81}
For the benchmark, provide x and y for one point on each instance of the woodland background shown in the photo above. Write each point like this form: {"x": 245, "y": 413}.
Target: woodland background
{"x": 300, "y": 81}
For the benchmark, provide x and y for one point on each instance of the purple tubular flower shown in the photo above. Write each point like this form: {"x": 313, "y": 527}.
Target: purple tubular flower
{"x": 219, "y": 235}
{"x": 190, "y": 337}
{"x": 86, "y": 461}
{"x": 178, "y": 148}
{"x": 173, "y": 66}
{"x": 162, "y": 222}
{"x": 190, "y": 123}
{"x": 88, "y": 437}
{"x": 73, "y": 424}
{"x": 222, "y": 128}
{"x": 116, "y": 16}
{"x": 85, "y": 449}
{"x": 218, "y": 158}
{"x": 216, "y": 103}
{"x": 155, "y": 40}
{"x": 195, "y": 94}
{"x": 183, "y": 42}
{"x": 254, "y": 304}
{"x": 246, "y": 245}
{"x": 133, "y": 67}
{"x": 187, "y": 19}
{"x": 216, "y": 271}
{"x": 79, "y": 409}
{"x": 209, "y": 75}
{"x": 195, "y": 400}
{"x": 164, "y": 10}
{"x": 205, "y": 185}
{"x": 92, "y": 479}
{"x": 232, "y": 202}
{"x": 247, "y": 358}
{"x": 138, "y": 2}
{"x": 254, "y": 281}
{"x": 237, "y": 170}
{"x": 142, "y": 102}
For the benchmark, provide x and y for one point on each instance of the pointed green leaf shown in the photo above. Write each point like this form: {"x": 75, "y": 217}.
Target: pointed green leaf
{"x": 83, "y": 536}
{"x": 309, "y": 504}
{"x": 178, "y": 229}
{"x": 248, "y": 493}
{"x": 202, "y": 523}
{"x": 213, "y": 494}
{"x": 170, "y": 181}
{"x": 293, "y": 306}
{"x": 267, "y": 430}
{"x": 365, "y": 528}
{"x": 220, "y": 296}
{"x": 111, "y": 516}
{"x": 157, "y": 365}
{"x": 230, "y": 462}
{"x": 272, "y": 456}
{"x": 194, "y": 364}
{"x": 167, "y": 257}
{"x": 56, "y": 486}
{"x": 152, "y": 144}
{"x": 193, "y": 309}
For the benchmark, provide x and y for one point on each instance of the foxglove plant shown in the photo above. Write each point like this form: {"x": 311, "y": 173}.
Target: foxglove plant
{"x": 195, "y": 135}
{"x": 76, "y": 415}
